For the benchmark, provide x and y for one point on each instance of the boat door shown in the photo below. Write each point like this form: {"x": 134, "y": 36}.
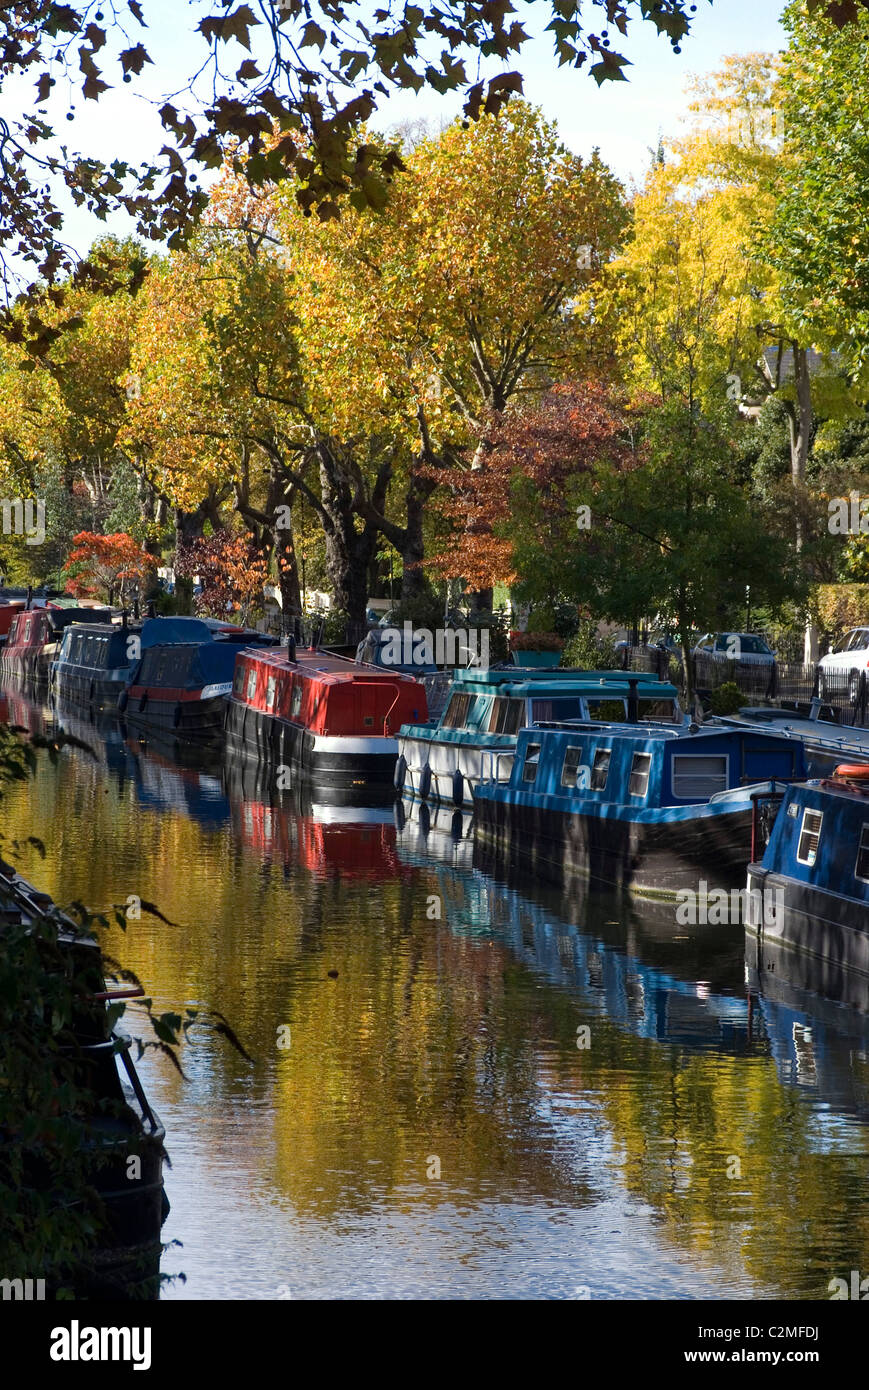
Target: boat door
{"x": 369, "y": 707}
{"x": 763, "y": 763}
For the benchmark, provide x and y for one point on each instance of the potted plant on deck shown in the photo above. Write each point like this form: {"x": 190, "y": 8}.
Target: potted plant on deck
{"x": 536, "y": 648}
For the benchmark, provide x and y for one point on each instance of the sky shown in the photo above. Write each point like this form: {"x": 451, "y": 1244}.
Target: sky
{"x": 622, "y": 119}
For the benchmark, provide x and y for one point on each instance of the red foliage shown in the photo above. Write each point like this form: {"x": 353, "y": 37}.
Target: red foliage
{"x": 573, "y": 427}
{"x": 231, "y": 569}
{"x": 105, "y": 566}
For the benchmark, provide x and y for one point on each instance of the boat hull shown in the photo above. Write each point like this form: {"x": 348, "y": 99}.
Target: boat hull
{"x": 828, "y": 928}
{"x": 198, "y": 720}
{"x": 654, "y": 857}
{"x": 339, "y": 761}
{"x": 87, "y": 686}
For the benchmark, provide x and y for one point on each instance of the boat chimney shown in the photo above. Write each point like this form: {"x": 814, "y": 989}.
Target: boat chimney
{"x": 633, "y": 702}
{"x": 291, "y": 647}
{"x": 29, "y": 598}
{"x": 124, "y": 616}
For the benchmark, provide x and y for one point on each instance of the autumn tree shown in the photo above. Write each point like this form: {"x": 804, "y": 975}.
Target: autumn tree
{"x": 312, "y": 73}
{"x": 106, "y": 567}
{"x": 231, "y": 569}
{"x": 421, "y": 324}
{"x": 818, "y": 236}
{"x": 651, "y": 523}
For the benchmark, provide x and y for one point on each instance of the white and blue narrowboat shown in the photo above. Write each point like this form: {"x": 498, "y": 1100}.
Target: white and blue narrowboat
{"x": 647, "y": 811}
{"x": 475, "y": 736}
{"x": 814, "y": 876}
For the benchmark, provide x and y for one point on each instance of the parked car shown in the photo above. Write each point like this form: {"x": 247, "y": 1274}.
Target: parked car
{"x": 745, "y": 648}
{"x": 841, "y": 668}
{"x": 377, "y": 649}
{"x": 662, "y": 641}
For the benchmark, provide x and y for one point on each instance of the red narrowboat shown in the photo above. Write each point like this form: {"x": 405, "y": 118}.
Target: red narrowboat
{"x": 9, "y": 608}
{"x": 34, "y": 639}
{"x": 332, "y": 721}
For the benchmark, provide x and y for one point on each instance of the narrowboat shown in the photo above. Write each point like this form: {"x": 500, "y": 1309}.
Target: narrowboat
{"x": 9, "y": 608}
{"x": 814, "y": 877}
{"x": 93, "y": 663}
{"x": 826, "y": 741}
{"x": 34, "y": 639}
{"x": 646, "y": 811}
{"x": 321, "y": 717}
{"x": 476, "y": 734}
{"x": 179, "y": 686}
{"x": 118, "y": 1119}
{"x": 180, "y": 689}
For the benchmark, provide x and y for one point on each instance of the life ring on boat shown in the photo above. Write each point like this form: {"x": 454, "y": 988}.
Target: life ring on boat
{"x": 400, "y": 773}
{"x": 853, "y": 772}
{"x": 424, "y": 783}
{"x": 458, "y": 789}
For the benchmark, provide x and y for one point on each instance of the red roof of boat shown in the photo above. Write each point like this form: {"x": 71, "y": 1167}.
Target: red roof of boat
{"x": 326, "y": 667}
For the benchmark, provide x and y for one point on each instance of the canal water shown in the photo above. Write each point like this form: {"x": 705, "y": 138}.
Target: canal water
{"x": 463, "y": 1084}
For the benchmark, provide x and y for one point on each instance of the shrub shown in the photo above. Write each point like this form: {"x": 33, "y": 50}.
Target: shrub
{"x": 727, "y": 699}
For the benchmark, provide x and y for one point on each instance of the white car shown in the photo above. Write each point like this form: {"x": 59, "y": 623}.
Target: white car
{"x": 842, "y": 667}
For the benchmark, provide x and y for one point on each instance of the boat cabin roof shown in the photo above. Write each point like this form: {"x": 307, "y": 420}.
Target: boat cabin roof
{"x": 546, "y": 675}
{"x": 327, "y": 669}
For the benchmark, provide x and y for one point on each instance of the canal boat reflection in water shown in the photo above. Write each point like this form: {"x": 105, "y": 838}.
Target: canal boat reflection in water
{"x": 432, "y": 1120}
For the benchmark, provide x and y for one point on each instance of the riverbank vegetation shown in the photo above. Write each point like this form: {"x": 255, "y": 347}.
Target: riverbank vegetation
{"x": 512, "y": 371}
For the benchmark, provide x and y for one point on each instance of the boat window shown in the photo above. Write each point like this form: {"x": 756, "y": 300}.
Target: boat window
{"x": 810, "y": 834}
{"x": 608, "y": 711}
{"x": 251, "y": 682}
{"x": 658, "y": 709}
{"x": 532, "y": 758}
{"x": 507, "y": 716}
{"x": 562, "y": 707}
{"x": 600, "y": 769}
{"x": 640, "y": 765}
{"x": 456, "y": 712}
{"x": 270, "y": 693}
{"x": 696, "y": 778}
{"x": 862, "y": 869}
{"x": 238, "y": 678}
{"x": 571, "y": 765}
{"x": 297, "y": 698}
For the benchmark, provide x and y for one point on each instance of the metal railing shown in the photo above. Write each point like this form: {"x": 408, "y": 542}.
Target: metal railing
{"x": 844, "y": 695}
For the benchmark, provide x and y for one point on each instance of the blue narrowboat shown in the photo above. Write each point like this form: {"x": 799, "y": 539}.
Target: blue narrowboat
{"x": 814, "y": 876}
{"x": 475, "y": 736}
{"x": 93, "y": 663}
{"x": 645, "y": 811}
{"x": 183, "y": 677}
